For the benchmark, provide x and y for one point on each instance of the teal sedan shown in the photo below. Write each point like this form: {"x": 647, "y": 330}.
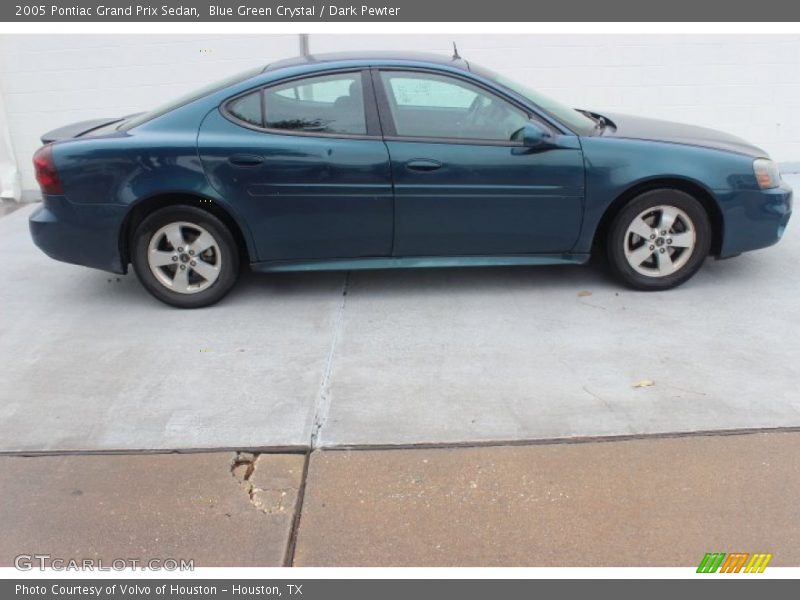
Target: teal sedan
{"x": 364, "y": 161}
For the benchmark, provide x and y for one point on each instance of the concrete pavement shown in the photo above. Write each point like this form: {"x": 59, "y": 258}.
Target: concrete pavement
{"x": 91, "y": 362}
{"x": 8, "y": 206}
{"x": 648, "y": 502}
{"x": 204, "y": 507}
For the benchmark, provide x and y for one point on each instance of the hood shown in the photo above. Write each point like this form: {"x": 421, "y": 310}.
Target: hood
{"x": 641, "y": 128}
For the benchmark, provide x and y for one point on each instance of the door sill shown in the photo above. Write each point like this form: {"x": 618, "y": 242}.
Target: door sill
{"x": 418, "y": 262}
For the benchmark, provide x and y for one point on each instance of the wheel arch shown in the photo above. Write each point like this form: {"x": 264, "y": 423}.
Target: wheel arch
{"x": 146, "y": 206}
{"x": 694, "y": 189}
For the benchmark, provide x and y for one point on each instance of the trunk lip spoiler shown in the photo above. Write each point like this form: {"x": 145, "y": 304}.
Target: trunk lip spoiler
{"x": 76, "y": 130}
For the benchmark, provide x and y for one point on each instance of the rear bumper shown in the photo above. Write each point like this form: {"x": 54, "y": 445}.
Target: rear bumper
{"x": 82, "y": 234}
{"x": 755, "y": 219}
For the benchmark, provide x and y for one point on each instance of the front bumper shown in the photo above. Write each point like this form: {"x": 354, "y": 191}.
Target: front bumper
{"x": 755, "y": 219}
{"x": 82, "y": 234}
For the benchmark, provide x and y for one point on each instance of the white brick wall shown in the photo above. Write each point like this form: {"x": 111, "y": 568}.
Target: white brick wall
{"x": 49, "y": 81}
{"x": 747, "y": 85}
{"x": 9, "y": 176}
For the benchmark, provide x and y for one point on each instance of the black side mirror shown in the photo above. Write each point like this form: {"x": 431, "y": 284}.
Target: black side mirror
{"x": 534, "y": 135}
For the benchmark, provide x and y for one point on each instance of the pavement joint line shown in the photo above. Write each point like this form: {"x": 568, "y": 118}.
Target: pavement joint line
{"x": 300, "y": 449}
{"x": 323, "y": 403}
{"x": 291, "y": 544}
{"x": 305, "y": 450}
{"x": 562, "y": 440}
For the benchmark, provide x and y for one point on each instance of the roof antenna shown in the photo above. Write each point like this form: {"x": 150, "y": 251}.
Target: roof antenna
{"x": 455, "y": 52}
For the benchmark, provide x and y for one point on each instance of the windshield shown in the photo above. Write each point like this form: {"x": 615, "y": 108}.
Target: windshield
{"x": 187, "y": 98}
{"x": 575, "y": 120}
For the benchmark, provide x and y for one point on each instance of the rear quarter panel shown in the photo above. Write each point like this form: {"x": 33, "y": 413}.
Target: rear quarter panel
{"x": 125, "y": 169}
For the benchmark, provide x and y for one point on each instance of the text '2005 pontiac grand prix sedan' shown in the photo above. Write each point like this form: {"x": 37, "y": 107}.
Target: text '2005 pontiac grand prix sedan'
{"x": 387, "y": 160}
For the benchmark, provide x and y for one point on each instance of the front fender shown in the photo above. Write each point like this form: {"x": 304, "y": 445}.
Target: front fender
{"x": 615, "y": 166}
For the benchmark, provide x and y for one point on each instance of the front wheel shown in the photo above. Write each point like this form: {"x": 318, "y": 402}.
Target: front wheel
{"x": 185, "y": 256}
{"x": 659, "y": 240}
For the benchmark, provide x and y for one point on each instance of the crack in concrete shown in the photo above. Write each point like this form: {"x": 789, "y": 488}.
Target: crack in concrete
{"x": 323, "y": 403}
{"x": 243, "y": 465}
{"x": 271, "y": 500}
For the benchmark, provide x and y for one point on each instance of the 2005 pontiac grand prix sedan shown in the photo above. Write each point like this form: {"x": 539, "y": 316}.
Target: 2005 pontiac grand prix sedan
{"x": 387, "y": 160}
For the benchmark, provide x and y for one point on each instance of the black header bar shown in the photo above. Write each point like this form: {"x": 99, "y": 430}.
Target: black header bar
{"x": 732, "y": 588}
{"x": 398, "y": 11}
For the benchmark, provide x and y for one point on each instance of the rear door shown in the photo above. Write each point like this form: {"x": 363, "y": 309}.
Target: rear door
{"x": 304, "y": 163}
{"x": 463, "y": 185}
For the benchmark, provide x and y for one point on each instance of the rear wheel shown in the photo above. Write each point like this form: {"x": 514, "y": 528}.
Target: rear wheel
{"x": 185, "y": 256}
{"x": 659, "y": 239}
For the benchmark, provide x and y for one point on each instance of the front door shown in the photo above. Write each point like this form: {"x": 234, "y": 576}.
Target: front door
{"x": 463, "y": 185}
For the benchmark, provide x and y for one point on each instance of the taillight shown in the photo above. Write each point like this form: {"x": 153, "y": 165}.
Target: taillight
{"x": 46, "y": 173}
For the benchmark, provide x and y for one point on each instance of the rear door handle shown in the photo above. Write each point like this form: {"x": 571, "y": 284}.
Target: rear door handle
{"x": 246, "y": 160}
{"x": 423, "y": 164}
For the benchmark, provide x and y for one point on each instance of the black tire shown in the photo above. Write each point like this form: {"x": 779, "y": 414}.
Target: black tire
{"x": 619, "y": 239}
{"x": 223, "y": 257}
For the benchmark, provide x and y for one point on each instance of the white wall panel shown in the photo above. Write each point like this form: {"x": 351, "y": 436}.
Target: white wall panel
{"x": 747, "y": 85}
{"x": 744, "y": 84}
{"x": 9, "y": 175}
{"x": 49, "y": 81}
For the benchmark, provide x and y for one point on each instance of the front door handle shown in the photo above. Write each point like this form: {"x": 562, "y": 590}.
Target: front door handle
{"x": 423, "y": 164}
{"x": 246, "y": 160}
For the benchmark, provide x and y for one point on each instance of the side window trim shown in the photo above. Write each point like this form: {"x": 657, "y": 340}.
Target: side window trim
{"x": 382, "y": 103}
{"x": 367, "y": 89}
{"x": 387, "y": 121}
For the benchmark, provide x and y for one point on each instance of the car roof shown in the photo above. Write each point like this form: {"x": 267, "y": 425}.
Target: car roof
{"x": 376, "y": 57}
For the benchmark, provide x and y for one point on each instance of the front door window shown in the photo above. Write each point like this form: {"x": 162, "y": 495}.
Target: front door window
{"x": 426, "y": 105}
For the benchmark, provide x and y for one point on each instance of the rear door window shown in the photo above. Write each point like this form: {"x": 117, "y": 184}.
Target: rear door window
{"x": 328, "y": 104}
{"x": 248, "y": 108}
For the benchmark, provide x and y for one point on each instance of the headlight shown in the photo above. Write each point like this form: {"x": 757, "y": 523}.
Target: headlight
{"x": 767, "y": 173}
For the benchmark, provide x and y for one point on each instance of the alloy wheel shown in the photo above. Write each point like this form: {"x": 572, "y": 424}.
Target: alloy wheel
{"x": 659, "y": 241}
{"x": 184, "y": 257}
